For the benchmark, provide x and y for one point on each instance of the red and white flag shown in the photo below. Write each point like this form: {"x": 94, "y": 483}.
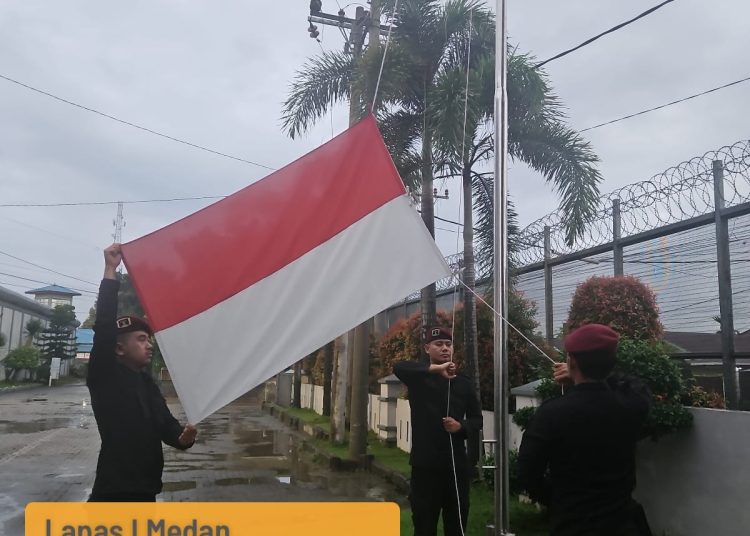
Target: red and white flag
{"x": 246, "y": 287}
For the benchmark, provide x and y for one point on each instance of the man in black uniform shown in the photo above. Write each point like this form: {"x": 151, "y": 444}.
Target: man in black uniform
{"x": 578, "y": 454}
{"x": 435, "y": 486}
{"x": 131, "y": 414}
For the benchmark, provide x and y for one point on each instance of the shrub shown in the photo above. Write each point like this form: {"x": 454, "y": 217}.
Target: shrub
{"x": 513, "y": 482}
{"x": 23, "y": 357}
{"x": 403, "y": 342}
{"x": 522, "y": 417}
{"x": 624, "y": 303}
{"x": 649, "y": 362}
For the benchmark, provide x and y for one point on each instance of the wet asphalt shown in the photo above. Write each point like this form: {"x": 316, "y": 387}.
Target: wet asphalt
{"x": 49, "y": 446}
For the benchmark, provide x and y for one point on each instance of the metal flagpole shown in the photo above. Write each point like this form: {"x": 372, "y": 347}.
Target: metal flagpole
{"x": 501, "y": 274}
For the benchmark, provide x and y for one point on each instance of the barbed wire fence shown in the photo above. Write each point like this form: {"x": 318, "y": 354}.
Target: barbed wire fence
{"x": 669, "y": 237}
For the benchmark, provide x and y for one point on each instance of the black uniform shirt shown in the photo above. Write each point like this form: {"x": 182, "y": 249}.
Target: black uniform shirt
{"x": 428, "y": 398}
{"x": 578, "y": 455}
{"x": 131, "y": 414}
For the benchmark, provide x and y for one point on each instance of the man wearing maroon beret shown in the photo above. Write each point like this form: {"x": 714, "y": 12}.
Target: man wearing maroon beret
{"x": 578, "y": 454}
{"x": 132, "y": 417}
{"x": 439, "y": 466}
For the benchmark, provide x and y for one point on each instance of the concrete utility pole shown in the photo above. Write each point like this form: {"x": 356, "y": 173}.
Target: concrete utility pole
{"x": 342, "y": 349}
{"x": 726, "y": 311}
{"x": 361, "y": 362}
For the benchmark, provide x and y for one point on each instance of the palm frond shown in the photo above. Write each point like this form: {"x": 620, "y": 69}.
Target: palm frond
{"x": 323, "y": 81}
{"x": 567, "y": 161}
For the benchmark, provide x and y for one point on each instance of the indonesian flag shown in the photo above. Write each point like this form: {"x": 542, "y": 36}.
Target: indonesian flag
{"x": 248, "y": 286}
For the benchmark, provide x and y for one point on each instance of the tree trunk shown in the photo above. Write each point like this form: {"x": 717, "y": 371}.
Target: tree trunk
{"x": 428, "y": 295}
{"x": 470, "y": 310}
{"x": 297, "y": 400}
{"x": 327, "y": 372}
{"x": 341, "y": 387}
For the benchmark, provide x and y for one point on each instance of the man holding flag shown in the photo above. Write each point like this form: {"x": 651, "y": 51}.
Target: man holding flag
{"x": 131, "y": 414}
{"x": 444, "y": 412}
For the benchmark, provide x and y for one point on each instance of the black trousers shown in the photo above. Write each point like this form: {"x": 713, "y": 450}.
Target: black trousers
{"x": 433, "y": 491}
{"x": 122, "y": 497}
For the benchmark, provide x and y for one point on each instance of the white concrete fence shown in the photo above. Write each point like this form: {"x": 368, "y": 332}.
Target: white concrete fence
{"x": 691, "y": 483}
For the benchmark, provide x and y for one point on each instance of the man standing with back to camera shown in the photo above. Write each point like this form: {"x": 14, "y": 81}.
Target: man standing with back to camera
{"x": 577, "y": 456}
{"x": 130, "y": 411}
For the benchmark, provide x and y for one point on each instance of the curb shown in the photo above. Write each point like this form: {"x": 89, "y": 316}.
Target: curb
{"x": 335, "y": 463}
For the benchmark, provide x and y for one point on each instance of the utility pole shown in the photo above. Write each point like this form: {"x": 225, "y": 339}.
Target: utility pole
{"x": 342, "y": 349}
{"x": 729, "y": 362}
{"x": 361, "y": 362}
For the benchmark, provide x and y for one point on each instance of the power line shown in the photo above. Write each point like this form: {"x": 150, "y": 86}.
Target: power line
{"x": 45, "y": 283}
{"x": 47, "y": 269}
{"x": 667, "y": 104}
{"x": 139, "y": 127}
{"x": 613, "y": 29}
{"x": 93, "y": 203}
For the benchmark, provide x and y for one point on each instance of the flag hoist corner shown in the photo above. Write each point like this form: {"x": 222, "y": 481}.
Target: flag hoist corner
{"x": 243, "y": 289}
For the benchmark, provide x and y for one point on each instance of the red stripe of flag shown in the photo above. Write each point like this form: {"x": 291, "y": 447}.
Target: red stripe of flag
{"x": 200, "y": 261}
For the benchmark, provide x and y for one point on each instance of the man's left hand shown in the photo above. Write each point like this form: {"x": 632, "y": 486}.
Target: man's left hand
{"x": 451, "y": 425}
{"x": 187, "y": 437}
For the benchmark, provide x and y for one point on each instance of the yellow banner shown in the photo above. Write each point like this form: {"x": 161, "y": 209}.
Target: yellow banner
{"x": 212, "y": 519}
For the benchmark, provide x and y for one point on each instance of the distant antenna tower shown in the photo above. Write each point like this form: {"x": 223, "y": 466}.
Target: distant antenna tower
{"x": 119, "y": 223}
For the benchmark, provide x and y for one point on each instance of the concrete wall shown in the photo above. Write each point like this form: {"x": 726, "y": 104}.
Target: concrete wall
{"x": 373, "y": 412}
{"x": 312, "y": 397}
{"x": 697, "y": 482}
{"x": 13, "y": 321}
{"x": 403, "y": 423}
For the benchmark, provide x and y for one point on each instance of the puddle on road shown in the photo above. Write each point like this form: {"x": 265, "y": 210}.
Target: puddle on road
{"x": 179, "y": 486}
{"x": 285, "y": 458}
{"x": 30, "y": 427}
{"x": 239, "y": 452}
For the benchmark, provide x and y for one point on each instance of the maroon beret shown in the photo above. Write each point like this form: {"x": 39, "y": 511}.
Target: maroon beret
{"x": 437, "y": 333}
{"x": 128, "y": 324}
{"x": 591, "y": 338}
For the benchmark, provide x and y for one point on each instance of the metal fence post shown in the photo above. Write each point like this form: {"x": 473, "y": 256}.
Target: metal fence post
{"x": 548, "y": 314}
{"x": 616, "y": 236}
{"x": 725, "y": 290}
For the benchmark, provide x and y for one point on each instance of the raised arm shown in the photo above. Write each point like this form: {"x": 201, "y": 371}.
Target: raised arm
{"x": 102, "y": 359}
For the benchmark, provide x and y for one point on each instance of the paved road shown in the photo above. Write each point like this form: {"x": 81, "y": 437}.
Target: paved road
{"x": 49, "y": 445}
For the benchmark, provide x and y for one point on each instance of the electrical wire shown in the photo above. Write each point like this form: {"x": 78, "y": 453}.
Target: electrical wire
{"x": 134, "y": 125}
{"x": 46, "y": 283}
{"x": 47, "y": 269}
{"x": 666, "y": 105}
{"x": 613, "y": 29}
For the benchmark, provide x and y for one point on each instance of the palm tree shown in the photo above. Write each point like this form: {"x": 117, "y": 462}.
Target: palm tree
{"x": 421, "y": 100}
{"x": 33, "y": 328}
{"x": 537, "y": 136}
{"x": 423, "y": 41}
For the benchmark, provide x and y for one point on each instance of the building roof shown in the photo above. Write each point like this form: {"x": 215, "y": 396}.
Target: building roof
{"x": 54, "y": 289}
{"x": 84, "y": 340}
{"x": 528, "y": 389}
{"x": 21, "y": 302}
{"x": 704, "y": 343}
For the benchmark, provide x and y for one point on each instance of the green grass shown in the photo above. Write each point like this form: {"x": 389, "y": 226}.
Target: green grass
{"x": 307, "y": 416}
{"x": 525, "y": 520}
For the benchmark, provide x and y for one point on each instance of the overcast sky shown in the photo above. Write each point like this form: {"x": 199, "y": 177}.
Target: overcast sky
{"x": 215, "y": 73}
